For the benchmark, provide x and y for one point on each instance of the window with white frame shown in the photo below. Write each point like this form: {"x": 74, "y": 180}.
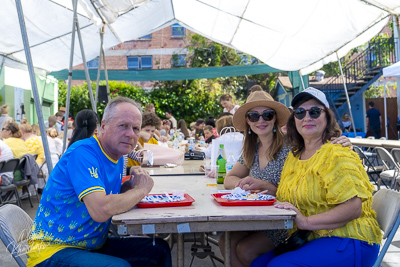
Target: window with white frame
{"x": 93, "y": 64}
{"x": 177, "y": 30}
{"x": 179, "y": 60}
{"x": 140, "y": 63}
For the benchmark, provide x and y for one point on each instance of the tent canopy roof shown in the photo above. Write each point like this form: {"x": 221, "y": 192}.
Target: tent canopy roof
{"x": 287, "y": 35}
{"x": 392, "y": 71}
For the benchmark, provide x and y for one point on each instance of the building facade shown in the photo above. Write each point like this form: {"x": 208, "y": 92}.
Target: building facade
{"x": 16, "y": 91}
{"x": 163, "y": 49}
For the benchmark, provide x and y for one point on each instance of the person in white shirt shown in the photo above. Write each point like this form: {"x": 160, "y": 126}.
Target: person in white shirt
{"x": 6, "y": 154}
{"x": 169, "y": 116}
{"x": 226, "y": 102}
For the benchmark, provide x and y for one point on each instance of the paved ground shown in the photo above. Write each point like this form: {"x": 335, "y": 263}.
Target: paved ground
{"x": 391, "y": 259}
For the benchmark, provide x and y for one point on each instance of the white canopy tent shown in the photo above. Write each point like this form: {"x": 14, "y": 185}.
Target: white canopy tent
{"x": 391, "y": 71}
{"x": 287, "y": 34}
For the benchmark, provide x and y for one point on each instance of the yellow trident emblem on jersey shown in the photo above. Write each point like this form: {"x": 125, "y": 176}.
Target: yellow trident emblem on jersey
{"x": 93, "y": 172}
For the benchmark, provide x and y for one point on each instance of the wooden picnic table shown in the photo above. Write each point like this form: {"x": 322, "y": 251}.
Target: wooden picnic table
{"x": 204, "y": 215}
{"x": 366, "y": 142}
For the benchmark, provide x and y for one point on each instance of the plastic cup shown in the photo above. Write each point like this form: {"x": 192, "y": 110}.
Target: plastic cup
{"x": 150, "y": 158}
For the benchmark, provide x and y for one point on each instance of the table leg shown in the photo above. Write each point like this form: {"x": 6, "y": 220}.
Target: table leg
{"x": 203, "y": 238}
{"x": 180, "y": 251}
{"x": 227, "y": 259}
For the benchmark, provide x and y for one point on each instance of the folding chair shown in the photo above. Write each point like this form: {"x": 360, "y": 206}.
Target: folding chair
{"x": 396, "y": 155}
{"x": 15, "y": 228}
{"x": 41, "y": 174}
{"x": 386, "y": 203}
{"x": 24, "y": 183}
{"x": 10, "y": 190}
{"x": 369, "y": 167}
{"x": 391, "y": 170}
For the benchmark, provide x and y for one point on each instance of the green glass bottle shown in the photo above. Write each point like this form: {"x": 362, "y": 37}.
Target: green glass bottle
{"x": 221, "y": 162}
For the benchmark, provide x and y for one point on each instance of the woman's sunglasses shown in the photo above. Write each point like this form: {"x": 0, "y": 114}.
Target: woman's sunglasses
{"x": 314, "y": 112}
{"x": 254, "y": 116}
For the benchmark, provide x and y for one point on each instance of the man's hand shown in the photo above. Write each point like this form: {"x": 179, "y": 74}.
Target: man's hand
{"x": 341, "y": 140}
{"x": 140, "y": 179}
{"x": 102, "y": 207}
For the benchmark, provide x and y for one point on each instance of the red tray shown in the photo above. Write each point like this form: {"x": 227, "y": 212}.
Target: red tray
{"x": 227, "y": 202}
{"x": 187, "y": 202}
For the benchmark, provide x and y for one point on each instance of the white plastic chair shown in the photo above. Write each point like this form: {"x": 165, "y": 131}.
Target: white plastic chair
{"x": 386, "y": 203}
{"x": 391, "y": 169}
{"x": 15, "y": 228}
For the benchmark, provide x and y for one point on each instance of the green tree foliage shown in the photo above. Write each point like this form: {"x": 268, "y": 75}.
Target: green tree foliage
{"x": 80, "y": 95}
{"x": 205, "y": 53}
{"x": 377, "y": 91}
{"x": 332, "y": 68}
{"x": 189, "y": 100}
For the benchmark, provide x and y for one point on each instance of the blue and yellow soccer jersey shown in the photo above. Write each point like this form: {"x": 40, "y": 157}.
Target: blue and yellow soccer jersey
{"x": 62, "y": 219}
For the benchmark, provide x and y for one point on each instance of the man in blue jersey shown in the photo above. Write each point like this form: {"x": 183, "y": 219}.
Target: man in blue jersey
{"x": 84, "y": 191}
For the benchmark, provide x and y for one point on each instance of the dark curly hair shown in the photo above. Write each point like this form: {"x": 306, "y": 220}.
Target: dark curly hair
{"x": 296, "y": 142}
{"x": 210, "y": 121}
{"x": 150, "y": 119}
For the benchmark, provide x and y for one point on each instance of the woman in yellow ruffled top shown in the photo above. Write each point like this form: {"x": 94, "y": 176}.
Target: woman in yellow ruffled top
{"x": 328, "y": 188}
{"x": 12, "y": 137}
{"x": 32, "y": 141}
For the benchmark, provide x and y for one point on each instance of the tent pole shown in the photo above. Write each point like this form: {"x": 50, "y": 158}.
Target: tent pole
{"x": 2, "y": 65}
{"x": 347, "y": 95}
{"x": 385, "y": 108}
{"x": 71, "y": 61}
{"x": 302, "y": 82}
{"x": 106, "y": 74}
{"x": 35, "y": 92}
{"x": 99, "y": 67}
{"x": 78, "y": 30}
{"x": 396, "y": 33}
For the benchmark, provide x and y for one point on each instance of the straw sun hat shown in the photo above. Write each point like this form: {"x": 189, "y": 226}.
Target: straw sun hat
{"x": 260, "y": 99}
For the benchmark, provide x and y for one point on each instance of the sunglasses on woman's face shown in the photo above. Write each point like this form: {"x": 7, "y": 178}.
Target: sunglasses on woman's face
{"x": 314, "y": 112}
{"x": 254, "y": 116}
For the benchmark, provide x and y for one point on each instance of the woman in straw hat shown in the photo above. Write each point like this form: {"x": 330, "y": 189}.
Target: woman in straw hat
{"x": 259, "y": 168}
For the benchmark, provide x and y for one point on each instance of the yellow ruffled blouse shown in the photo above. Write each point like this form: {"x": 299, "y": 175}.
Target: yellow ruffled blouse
{"x": 35, "y": 146}
{"x": 333, "y": 175}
